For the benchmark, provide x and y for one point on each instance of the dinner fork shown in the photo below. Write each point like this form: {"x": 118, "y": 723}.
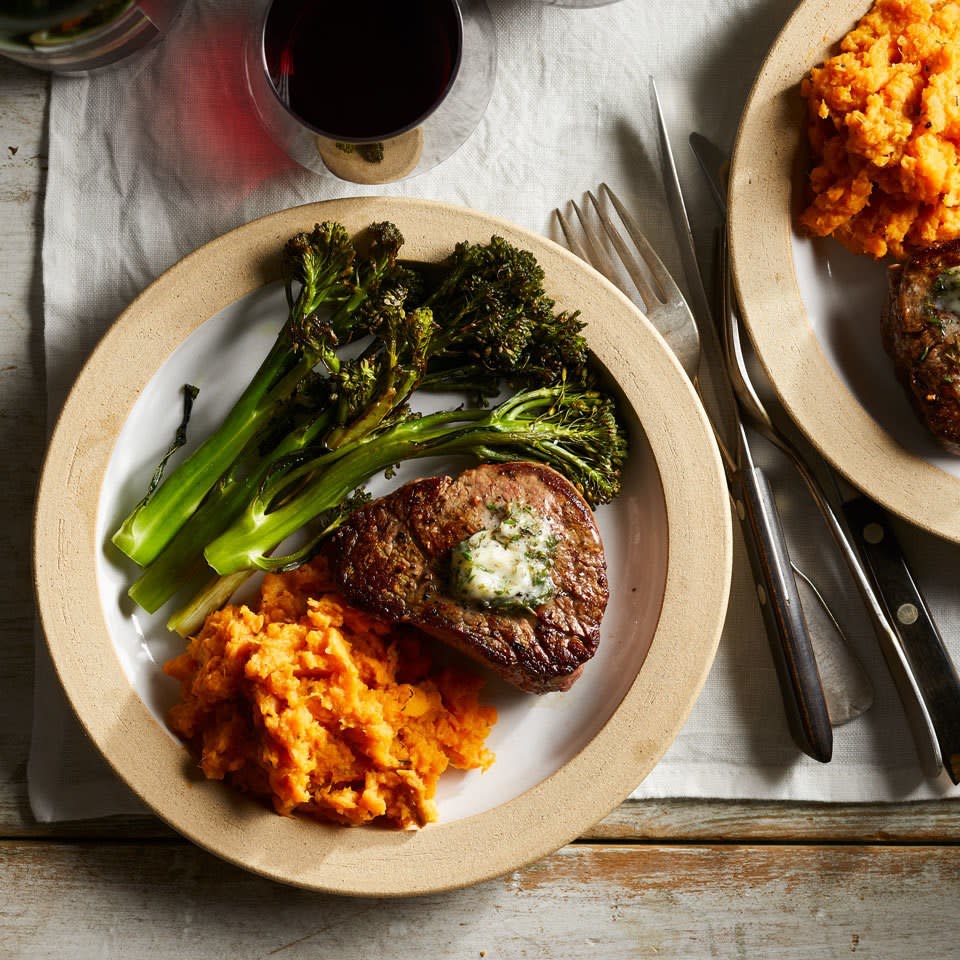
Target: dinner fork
{"x": 667, "y": 309}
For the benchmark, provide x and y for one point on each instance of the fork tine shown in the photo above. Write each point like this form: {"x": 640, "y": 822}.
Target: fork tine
{"x": 592, "y": 251}
{"x": 570, "y": 236}
{"x": 637, "y": 269}
{"x": 660, "y": 273}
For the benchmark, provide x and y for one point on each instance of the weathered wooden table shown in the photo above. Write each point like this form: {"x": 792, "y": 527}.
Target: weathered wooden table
{"x": 656, "y": 878}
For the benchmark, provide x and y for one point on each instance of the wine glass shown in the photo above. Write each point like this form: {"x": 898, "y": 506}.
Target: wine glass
{"x": 372, "y": 91}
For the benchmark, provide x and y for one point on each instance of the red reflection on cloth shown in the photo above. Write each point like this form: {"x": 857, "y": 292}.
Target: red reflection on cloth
{"x": 208, "y": 129}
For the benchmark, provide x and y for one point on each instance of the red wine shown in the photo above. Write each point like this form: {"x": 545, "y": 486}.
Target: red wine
{"x": 362, "y": 69}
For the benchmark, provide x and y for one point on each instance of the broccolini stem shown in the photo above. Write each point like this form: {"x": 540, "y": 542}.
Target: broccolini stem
{"x": 248, "y": 542}
{"x": 215, "y": 594}
{"x": 181, "y": 561}
{"x": 153, "y": 524}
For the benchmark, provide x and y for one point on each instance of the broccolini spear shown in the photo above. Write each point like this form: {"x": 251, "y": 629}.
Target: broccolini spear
{"x": 331, "y": 285}
{"x": 575, "y": 431}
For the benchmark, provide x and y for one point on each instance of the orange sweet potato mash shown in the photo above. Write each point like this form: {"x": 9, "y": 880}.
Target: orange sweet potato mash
{"x": 325, "y": 710}
{"x": 884, "y": 131}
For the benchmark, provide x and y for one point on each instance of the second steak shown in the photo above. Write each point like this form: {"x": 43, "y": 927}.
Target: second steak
{"x": 921, "y": 333}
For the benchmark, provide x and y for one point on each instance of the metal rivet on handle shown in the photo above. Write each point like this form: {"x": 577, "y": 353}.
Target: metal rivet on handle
{"x": 873, "y": 533}
{"x": 907, "y": 613}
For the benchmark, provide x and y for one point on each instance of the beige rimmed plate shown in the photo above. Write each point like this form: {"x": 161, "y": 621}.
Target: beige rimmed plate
{"x": 812, "y": 308}
{"x": 563, "y": 760}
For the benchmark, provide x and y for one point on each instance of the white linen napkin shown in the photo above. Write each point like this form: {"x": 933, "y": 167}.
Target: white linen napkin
{"x": 152, "y": 158}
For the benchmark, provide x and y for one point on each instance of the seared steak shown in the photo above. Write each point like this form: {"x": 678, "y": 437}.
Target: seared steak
{"x": 393, "y": 557}
{"x": 921, "y": 332}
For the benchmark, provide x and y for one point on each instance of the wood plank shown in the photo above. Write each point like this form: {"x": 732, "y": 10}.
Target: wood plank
{"x": 23, "y": 95}
{"x": 641, "y": 821}
{"x": 796, "y": 903}
{"x": 705, "y": 820}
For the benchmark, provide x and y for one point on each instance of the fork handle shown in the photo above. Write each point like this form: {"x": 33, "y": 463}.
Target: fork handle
{"x": 786, "y": 626}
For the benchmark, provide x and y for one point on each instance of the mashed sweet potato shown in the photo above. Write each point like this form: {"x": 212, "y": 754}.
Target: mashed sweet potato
{"x": 326, "y": 710}
{"x": 884, "y": 131}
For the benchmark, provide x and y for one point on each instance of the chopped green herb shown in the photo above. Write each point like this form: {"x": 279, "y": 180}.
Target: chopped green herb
{"x": 507, "y": 566}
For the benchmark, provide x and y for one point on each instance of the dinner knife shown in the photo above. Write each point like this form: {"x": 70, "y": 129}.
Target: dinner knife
{"x": 920, "y": 666}
{"x": 797, "y": 674}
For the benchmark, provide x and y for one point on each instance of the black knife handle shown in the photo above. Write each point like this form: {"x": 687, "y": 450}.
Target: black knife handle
{"x": 799, "y": 679}
{"x": 935, "y": 674}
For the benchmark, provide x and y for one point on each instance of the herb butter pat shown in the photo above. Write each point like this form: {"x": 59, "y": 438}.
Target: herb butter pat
{"x": 946, "y": 291}
{"x": 509, "y": 564}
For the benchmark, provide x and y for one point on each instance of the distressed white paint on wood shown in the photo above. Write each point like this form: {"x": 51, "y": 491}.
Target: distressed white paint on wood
{"x": 705, "y": 821}
{"x": 22, "y": 408}
{"x": 793, "y": 903}
{"x": 696, "y": 821}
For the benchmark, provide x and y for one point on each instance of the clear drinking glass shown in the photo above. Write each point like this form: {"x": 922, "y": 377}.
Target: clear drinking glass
{"x": 76, "y": 36}
{"x": 372, "y": 91}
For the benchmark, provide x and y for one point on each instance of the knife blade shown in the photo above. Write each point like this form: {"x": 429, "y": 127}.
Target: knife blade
{"x": 799, "y": 680}
{"x": 846, "y": 684}
{"x": 919, "y": 664}
{"x": 714, "y": 164}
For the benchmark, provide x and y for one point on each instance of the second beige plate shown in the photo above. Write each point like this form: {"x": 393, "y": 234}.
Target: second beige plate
{"x": 563, "y": 760}
{"x": 813, "y": 309}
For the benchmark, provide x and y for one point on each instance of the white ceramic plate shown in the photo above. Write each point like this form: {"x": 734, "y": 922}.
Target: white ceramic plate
{"x": 563, "y": 760}
{"x": 813, "y": 309}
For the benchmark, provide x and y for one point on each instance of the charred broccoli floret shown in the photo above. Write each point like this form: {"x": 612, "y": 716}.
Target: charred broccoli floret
{"x": 495, "y": 323}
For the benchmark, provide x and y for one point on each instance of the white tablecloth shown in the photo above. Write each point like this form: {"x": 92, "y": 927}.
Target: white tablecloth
{"x": 152, "y": 158}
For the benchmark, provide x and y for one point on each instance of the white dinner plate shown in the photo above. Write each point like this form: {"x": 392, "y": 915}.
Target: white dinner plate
{"x": 563, "y": 760}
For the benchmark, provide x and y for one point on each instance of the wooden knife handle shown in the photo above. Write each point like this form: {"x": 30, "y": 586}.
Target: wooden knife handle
{"x": 934, "y": 672}
{"x": 799, "y": 679}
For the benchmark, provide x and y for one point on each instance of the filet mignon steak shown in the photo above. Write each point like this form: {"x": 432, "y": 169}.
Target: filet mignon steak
{"x": 921, "y": 333}
{"x": 392, "y": 557}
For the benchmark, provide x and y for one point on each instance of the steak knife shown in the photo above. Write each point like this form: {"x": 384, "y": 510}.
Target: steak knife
{"x": 934, "y": 673}
{"x": 919, "y": 664}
